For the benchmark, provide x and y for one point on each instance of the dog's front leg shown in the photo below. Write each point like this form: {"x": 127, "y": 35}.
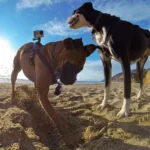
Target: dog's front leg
{"x": 139, "y": 66}
{"x": 43, "y": 88}
{"x": 127, "y": 87}
{"x": 107, "y": 74}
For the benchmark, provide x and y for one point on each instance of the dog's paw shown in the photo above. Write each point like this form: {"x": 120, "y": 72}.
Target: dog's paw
{"x": 122, "y": 114}
{"x": 101, "y": 106}
{"x": 139, "y": 94}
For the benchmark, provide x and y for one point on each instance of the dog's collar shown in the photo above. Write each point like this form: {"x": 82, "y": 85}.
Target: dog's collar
{"x": 93, "y": 29}
{"x": 97, "y": 20}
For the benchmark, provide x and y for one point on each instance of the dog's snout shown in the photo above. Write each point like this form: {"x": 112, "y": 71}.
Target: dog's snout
{"x": 77, "y": 15}
{"x": 69, "y": 20}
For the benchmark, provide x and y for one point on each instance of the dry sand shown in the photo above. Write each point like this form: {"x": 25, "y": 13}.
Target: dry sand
{"x": 25, "y": 126}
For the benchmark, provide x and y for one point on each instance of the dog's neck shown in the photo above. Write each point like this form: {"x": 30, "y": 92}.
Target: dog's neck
{"x": 95, "y": 19}
{"x": 99, "y": 16}
{"x": 55, "y": 52}
{"x": 100, "y": 20}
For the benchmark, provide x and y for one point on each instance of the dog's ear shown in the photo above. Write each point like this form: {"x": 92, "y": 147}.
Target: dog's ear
{"x": 88, "y": 6}
{"x": 70, "y": 44}
{"x": 78, "y": 43}
{"x": 90, "y": 49}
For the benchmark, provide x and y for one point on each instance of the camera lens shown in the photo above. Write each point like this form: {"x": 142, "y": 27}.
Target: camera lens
{"x": 41, "y": 32}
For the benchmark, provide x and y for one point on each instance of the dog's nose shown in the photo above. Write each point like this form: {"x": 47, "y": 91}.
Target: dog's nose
{"x": 73, "y": 81}
{"x": 69, "y": 19}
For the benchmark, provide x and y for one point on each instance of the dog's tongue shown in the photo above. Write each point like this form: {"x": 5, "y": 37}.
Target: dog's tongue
{"x": 73, "y": 21}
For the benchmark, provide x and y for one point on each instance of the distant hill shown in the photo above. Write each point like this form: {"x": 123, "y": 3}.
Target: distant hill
{"x": 134, "y": 78}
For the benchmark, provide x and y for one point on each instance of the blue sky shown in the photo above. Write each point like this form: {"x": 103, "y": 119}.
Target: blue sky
{"x": 19, "y": 18}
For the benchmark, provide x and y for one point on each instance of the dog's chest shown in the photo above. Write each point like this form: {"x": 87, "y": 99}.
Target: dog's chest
{"x": 104, "y": 41}
{"x": 100, "y": 37}
{"x": 107, "y": 51}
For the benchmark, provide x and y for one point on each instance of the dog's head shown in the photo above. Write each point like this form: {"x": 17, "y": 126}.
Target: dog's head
{"x": 72, "y": 60}
{"x": 81, "y": 16}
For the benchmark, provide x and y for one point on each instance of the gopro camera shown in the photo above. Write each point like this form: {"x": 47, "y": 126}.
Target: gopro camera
{"x": 38, "y": 34}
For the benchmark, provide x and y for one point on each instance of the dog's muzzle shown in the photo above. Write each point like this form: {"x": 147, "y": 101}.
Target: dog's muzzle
{"x": 68, "y": 73}
{"x": 73, "y": 20}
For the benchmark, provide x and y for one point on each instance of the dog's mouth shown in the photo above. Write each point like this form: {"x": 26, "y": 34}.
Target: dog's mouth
{"x": 73, "y": 20}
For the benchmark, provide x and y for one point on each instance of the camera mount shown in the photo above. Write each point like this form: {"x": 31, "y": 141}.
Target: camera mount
{"x": 37, "y": 35}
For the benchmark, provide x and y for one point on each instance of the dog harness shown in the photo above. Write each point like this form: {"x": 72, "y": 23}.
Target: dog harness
{"x": 35, "y": 49}
{"x": 55, "y": 77}
{"x": 44, "y": 60}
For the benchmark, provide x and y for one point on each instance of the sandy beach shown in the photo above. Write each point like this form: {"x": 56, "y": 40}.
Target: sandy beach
{"x": 25, "y": 126}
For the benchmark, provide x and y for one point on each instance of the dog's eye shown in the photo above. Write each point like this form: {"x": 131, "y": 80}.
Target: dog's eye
{"x": 76, "y": 11}
{"x": 73, "y": 13}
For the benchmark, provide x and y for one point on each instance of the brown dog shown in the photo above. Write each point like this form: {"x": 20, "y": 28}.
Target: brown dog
{"x": 66, "y": 60}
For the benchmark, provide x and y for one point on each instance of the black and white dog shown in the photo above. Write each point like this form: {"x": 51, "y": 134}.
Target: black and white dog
{"x": 119, "y": 40}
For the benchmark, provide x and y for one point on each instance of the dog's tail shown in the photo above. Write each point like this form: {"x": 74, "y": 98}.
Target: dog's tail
{"x": 16, "y": 61}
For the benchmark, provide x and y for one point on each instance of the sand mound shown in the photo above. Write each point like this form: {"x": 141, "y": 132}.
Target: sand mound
{"x": 147, "y": 78}
{"x": 25, "y": 125}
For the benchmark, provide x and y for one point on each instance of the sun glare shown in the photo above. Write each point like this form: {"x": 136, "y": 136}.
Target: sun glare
{"x": 7, "y": 54}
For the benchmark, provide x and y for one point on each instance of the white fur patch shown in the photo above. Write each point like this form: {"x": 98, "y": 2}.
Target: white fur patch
{"x": 140, "y": 93}
{"x": 103, "y": 57}
{"x": 106, "y": 95}
{"x": 78, "y": 21}
{"x": 124, "y": 112}
{"x": 111, "y": 52}
{"x": 100, "y": 38}
{"x": 135, "y": 61}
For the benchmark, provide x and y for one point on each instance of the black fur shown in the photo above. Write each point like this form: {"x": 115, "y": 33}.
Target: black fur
{"x": 123, "y": 32}
{"x": 128, "y": 42}
{"x": 107, "y": 72}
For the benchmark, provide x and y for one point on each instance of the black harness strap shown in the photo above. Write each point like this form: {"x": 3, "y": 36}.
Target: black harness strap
{"x": 35, "y": 49}
{"x": 46, "y": 63}
{"x": 54, "y": 77}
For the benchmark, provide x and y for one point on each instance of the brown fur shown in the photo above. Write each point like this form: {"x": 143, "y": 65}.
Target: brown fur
{"x": 42, "y": 77}
{"x": 146, "y": 54}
